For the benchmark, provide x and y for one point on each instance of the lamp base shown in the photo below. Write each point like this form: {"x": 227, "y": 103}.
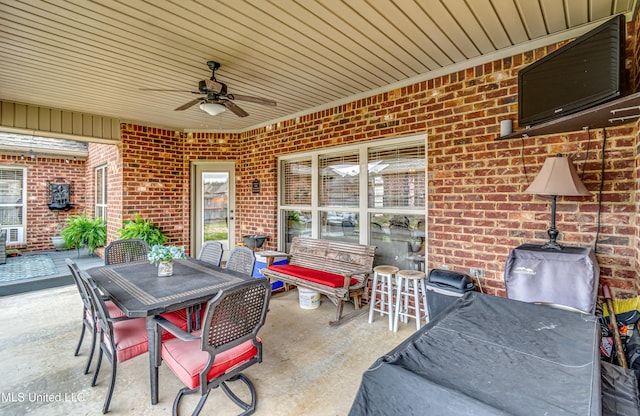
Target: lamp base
{"x": 551, "y": 245}
{"x": 553, "y": 235}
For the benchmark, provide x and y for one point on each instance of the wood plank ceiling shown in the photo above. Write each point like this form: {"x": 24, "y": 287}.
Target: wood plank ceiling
{"x": 97, "y": 56}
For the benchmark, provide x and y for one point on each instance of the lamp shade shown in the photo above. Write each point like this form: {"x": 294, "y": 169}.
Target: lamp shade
{"x": 558, "y": 176}
{"x": 212, "y": 108}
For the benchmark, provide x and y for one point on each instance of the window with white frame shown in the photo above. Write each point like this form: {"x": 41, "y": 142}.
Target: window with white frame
{"x": 12, "y": 202}
{"x": 101, "y": 192}
{"x": 372, "y": 193}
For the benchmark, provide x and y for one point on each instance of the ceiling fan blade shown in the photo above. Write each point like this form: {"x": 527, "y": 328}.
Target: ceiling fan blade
{"x": 157, "y": 89}
{"x": 257, "y": 100}
{"x": 189, "y": 104}
{"x": 234, "y": 108}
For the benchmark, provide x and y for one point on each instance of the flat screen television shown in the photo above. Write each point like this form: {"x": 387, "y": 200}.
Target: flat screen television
{"x": 583, "y": 73}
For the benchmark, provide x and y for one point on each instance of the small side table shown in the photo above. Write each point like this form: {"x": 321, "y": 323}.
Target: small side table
{"x": 567, "y": 277}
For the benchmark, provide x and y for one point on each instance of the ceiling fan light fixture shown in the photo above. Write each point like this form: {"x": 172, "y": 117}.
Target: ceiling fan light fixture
{"x": 212, "y": 108}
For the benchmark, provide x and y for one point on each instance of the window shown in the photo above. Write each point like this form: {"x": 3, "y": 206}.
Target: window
{"x": 296, "y": 220}
{"x": 101, "y": 192}
{"x": 396, "y": 189}
{"x": 373, "y": 193}
{"x": 12, "y": 202}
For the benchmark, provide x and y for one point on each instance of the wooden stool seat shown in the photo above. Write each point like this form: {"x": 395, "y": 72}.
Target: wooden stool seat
{"x": 405, "y": 292}
{"x": 411, "y": 274}
{"x": 383, "y": 286}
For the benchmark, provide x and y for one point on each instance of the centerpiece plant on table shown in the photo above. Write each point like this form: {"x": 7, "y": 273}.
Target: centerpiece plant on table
{"x": 163, "y": 257}
{"x": 160, "y": 253}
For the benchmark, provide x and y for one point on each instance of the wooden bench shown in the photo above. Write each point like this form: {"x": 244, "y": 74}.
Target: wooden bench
{"x": 336, "y": 269}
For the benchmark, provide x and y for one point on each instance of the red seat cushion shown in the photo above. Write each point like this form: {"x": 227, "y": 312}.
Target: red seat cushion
{"x": 178, "y": 318}
{"x": 130, "y": 337}
{"x": 113, "y": 310}
{"x": 312, "y": 275}
{"x": 187, "y": 360}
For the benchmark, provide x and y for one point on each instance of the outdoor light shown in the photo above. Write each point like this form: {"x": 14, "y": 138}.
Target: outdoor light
{"x": 212, "y": 108}
{"x": 558, "y": 177}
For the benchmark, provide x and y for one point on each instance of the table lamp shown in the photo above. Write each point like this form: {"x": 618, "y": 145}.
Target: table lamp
{"x": 558, "y": 177}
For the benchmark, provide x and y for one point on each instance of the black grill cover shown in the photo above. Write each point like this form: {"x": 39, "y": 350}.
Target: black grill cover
{"x": 487, "y": 355}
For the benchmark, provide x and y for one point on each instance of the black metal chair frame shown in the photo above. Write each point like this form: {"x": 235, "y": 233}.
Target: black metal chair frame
{"x": 106, "y": 333}
{"x": 123, "y": 251}
{"x": 88, "y": 313}
{"x": 232, "y": 317}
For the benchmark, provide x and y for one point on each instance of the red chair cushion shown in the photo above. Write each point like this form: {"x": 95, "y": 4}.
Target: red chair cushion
{"x": 130, "y": 338}
{"x": 187, "y": 360}
{"x": 131, "y": 335}
{"x": 178, "y": 318}
{"x": 113, "y": 310}
{"x": 312, "y": 275}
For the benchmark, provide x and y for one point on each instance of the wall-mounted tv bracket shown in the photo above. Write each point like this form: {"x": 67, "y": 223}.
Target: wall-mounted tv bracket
{"x": 624, "y": 110}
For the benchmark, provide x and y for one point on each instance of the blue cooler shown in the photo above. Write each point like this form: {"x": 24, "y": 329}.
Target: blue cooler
{"x": 261, "y": 263}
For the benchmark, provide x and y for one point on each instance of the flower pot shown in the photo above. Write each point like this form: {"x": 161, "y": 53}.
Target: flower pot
{"x": 165, "y": 268}
{"x": 58, "y": 242}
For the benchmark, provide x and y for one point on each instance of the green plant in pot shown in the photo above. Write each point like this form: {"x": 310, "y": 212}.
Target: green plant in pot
{"x": 142, "y": 229}
{"x": 82, "y": 230}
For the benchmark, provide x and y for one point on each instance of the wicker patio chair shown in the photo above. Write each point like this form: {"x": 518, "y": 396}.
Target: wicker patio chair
{"x": 241, "y": 259}
{"x": 88, "y": 312}
{"x": 227, "y": 345}
{"x": 211, "y": 252}
{"x": 123, "y": 251}
{"x": 120, "y": 338}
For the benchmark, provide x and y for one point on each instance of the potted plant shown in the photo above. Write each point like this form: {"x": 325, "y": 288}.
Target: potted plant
{"x": 142, "y": 229}
{"x": 163, "y": 256}
{"x": 83, "y": 230}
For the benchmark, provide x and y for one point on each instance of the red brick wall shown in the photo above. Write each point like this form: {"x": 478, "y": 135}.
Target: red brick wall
{"x": 101, "y": 154}
{"x": 477, "y": 209}
{"x": 43, "y": 223}
{"x": 154, "y": 180}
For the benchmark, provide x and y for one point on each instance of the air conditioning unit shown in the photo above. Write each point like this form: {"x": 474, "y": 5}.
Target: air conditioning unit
{"x": 15, "y": 235}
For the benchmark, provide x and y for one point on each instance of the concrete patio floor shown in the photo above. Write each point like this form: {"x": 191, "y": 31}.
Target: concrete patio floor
{"x": 308, "y": 368}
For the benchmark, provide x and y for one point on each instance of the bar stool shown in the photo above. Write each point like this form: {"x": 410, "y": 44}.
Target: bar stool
{"x": 410, "y": 286}
{"x": 383, "y": 286}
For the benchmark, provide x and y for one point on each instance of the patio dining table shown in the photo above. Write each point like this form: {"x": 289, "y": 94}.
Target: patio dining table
{"x": 137, "y": 290}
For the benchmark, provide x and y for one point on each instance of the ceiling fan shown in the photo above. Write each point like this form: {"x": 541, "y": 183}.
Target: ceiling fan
{"x": 215, "y": 98}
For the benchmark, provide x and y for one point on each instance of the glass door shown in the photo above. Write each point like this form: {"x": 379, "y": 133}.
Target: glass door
{"x": 213, "y": 186}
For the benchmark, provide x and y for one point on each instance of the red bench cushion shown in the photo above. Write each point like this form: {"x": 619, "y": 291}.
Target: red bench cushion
{"x": 312, "y": 275}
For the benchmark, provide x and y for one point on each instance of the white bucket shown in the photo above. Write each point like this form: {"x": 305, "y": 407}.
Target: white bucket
{"x": 308, "y": 298}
